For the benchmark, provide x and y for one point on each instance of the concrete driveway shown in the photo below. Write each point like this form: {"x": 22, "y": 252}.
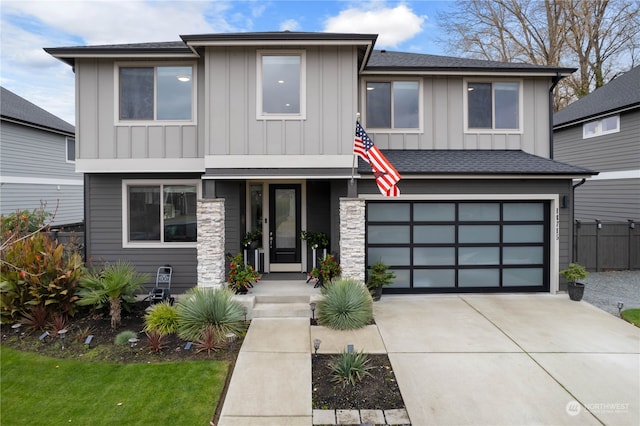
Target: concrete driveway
{"x": 511, "y": 360}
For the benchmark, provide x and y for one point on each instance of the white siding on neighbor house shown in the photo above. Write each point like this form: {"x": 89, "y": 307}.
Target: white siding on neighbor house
{"x": 34, "y": 171}
{"x": 443, "y": 125}
{"x": 103, "y": 138}
{"x": 331, "y": 102}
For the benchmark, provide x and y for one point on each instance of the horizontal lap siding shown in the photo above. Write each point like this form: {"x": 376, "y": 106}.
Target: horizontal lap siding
{"x": 614, "y": 200}
{"x": 104, "y": 236}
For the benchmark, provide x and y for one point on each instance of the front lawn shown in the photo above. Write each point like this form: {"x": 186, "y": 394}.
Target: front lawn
{"x": 632, "y": 315}
{"x": 38, "y": 390}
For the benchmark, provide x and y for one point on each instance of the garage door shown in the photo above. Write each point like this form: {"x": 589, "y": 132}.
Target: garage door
{"x": 461, "y": 246}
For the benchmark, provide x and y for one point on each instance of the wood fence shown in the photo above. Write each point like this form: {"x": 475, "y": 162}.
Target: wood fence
{"x": 607, "y": 246}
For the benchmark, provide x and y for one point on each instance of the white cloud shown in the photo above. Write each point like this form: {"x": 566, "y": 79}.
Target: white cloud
{"x": 393, "y": 25}
{"x": 289, "y": 25}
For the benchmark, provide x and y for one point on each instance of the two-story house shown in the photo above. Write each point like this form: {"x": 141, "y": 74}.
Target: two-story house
{"x": 37, "y": 156}
{"x": 188, "y": 145}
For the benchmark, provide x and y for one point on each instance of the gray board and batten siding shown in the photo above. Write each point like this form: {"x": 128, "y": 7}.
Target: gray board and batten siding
{"x": 103, "y": 211}
{"x": 35, "y": 171}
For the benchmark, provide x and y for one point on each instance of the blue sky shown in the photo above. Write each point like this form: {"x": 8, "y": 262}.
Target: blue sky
{"x": 27, "y": 26}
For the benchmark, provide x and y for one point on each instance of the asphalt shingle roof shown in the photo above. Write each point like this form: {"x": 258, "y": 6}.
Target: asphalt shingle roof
{"x": 620, "y": 93}
{"x": 476, "y": 162}
{"x": 17, "y": 108}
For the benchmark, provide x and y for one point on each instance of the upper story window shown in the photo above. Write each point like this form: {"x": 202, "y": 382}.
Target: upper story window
{"x": 156, "y": 93}
{"x": 71, "y": 150}
{"x": 493, "y": 105}
{"x": 393, "y": 104}
{"x": 603, "y": 126}
{"x": 281, "y": 85}
{"x": 159, "y": 213}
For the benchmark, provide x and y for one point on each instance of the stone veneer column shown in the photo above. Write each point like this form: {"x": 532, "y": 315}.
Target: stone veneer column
{"x": 210, "y": 246}
{"x": 352, "y": 221}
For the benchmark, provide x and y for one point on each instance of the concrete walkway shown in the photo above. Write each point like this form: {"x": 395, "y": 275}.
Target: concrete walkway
{"x": 459, "y": 360}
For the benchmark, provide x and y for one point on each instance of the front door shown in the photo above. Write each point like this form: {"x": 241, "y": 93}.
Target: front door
{"x": 284, "y": 227}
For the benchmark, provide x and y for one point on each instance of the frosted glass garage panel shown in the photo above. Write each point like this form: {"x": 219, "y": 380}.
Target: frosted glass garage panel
{"x": 479, "y": 256}
{"x": 479, "y": 212}
{"x": 428, "y": 256}
{"x": 523, "y": 233}
{"x": 388, "y": 234}
{"x": 434, "y": 234}
{"x": 522, "y": 255}
{"x": 523, "y": 211}
{"x": 399, "y": 256}
{"x": 402, "y": 279}
{"x": 522, "y": 277}
{"x": 434, "y": 212}
{"x": 479, "y": 234}
{"x": 377, "y": 212}
{"x": 479, "y": 278}
{"x": 430, "y": 278}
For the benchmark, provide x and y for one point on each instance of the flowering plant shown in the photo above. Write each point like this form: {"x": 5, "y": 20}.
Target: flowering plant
{"x": 241, "y": 276}
{"x": 328, "y": 269}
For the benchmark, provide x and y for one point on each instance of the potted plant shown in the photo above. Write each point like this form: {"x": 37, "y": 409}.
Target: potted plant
{"x": 252, "y": 239}
{"x": 315, "y": 239}
{"x": 379, "y": 276}
{"x": 572, "y": 274}
{"x": 328, "y": 269}
{"x": 241, "y": 276}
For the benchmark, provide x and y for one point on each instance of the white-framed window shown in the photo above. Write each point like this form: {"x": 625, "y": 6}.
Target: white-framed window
{"x": 159, "y": 213}
{"x": 71, "y": 150}
{"x": 281, "y": 85}
{"x": 147, "y": 93}
{"x": 393, "y": 104}
{"x": 493, "y": 106}
{"x": 602, "y": 126}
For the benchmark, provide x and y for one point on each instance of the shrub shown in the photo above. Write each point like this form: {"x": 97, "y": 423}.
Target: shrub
{"x": 347, "y": 305}
{"x": 202, "y": 307}
{"x": 156, "y": 340}
{"x": 349, "y": 368}
{"x": 115, "y": 285}
{"x": 123, "y": 337}
{"x": 209, "y": 340}
{"x": 163, "y": 318}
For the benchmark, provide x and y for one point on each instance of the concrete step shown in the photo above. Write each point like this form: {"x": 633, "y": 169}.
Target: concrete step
{"x": 281, "y": 310}
{"x": 283, "y": 298}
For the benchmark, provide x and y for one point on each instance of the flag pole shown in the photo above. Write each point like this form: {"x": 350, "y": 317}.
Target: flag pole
{"x": 353, "y": 160}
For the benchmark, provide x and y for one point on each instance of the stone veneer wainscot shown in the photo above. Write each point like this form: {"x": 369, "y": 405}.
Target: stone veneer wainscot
{"x": 352, "y": 233}
{"x": 211, "y": 257}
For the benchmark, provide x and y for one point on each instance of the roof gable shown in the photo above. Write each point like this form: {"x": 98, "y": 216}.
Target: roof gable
{"x": 19, "y": 109}
{"x": 620, "y": 93}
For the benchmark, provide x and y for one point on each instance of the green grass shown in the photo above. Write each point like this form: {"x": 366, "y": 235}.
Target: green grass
{"x": 37, "y": 390}
{"x": 632, "y": 315}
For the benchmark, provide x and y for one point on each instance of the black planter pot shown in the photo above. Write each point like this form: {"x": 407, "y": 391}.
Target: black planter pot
{"x": 376, "y": 293}
{"x": 576, "y": 291}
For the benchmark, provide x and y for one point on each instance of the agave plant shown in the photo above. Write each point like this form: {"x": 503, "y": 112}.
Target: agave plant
{"x": 347, "y": 305}
{"x": 203, "y": 307}
{"x": 349, "y": 368}
{"x": 116, "y": 284}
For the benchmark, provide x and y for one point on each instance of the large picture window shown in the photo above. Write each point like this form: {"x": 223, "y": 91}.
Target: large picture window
{"x": 393, "y": 104}
{"x": 281, "y": 84}
{"x": 493, "y": 105}
{"x": 159, "y": 213}
{"x": 162, "y": 93}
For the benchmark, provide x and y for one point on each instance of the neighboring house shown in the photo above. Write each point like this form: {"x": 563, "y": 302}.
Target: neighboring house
{"x": 37, "y": 162}
{"x": 602, "y": 132}
{"x": 188, "y": 145}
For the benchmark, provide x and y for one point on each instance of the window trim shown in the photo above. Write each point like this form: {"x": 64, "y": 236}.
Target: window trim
{"x": 599, "y": 131}
{"x": 154, "y": 65}
{"x": 302, "y": 115}
{"x": 126, "y": 183}
{"x": 394, "y": 129}
{"x": 465, "y": 106}
{"x": 66, "y": 146}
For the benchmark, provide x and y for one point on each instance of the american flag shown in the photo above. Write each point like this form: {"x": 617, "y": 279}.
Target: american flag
{"x": 386, "y": 175}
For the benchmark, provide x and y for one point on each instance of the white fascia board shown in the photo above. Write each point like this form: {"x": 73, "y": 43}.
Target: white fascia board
{"x": 140, "y": 165}
{"x": 492, "y": 176}
{"x": 225, "y": 43}
{"x": 277, "y": 161}
{"x": 121, "y": 55}
{"x": 620, "y": 174}
{"x": 494, "y": 74}
{"x": 27, "y": 180}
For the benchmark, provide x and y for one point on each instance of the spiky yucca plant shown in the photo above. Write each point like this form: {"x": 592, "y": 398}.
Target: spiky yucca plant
{"x": 349, "y": 368}
{"x": 347, "y": 305}
{"x": 203, "y": 307}
{"x": 163, "y": 318}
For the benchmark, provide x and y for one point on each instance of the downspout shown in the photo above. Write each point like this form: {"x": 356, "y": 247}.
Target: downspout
{"x": 554, "y": 83}
{"x": 574, "y": 254}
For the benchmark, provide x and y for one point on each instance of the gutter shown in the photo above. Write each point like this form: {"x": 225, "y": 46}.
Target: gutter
{"x": 573, "y": 218}
{"x": 556, "y": 80}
